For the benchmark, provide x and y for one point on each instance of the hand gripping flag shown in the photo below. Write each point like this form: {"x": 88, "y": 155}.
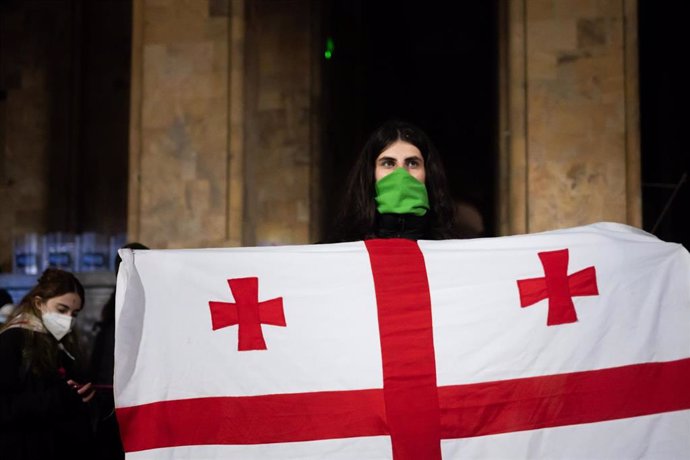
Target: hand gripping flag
{"x": 562, "y": 344}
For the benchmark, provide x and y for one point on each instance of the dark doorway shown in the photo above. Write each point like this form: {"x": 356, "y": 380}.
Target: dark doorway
{"x": 105, "y": 68}
{"x": 432, "y": 63}
{"x": 664, "y": 119}
{"x": 64, "y": 109}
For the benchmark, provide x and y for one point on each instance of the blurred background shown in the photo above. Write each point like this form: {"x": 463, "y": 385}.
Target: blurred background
{"x": 209, "y": 123}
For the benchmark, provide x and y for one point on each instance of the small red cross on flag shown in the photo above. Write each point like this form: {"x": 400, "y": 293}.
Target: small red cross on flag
{"x": 558, "y": 287}
{"x": 248, "y": 313}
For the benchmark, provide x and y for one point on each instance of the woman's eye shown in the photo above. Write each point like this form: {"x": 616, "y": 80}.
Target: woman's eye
{"x": 413, "y": 163}
{"x": 388, "y": 163}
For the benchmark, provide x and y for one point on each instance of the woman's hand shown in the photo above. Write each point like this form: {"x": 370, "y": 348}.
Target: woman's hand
{"x": 86, "y": 391}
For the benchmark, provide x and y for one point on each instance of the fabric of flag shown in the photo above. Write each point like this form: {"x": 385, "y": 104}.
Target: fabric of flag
{"x": 572, "y": 343}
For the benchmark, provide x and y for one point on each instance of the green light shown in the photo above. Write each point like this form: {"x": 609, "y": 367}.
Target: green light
{"x": 330, "y": 47}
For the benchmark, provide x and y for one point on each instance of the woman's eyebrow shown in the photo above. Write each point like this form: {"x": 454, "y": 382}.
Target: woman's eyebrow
{"x": 67, "y": 306}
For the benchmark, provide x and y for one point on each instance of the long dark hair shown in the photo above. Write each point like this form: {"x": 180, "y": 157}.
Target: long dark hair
{"x": 357, "y": 217}
{"x": 40, "y": 350}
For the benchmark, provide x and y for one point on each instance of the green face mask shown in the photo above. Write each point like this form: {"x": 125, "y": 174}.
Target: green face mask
{"x": 400, "y": 193}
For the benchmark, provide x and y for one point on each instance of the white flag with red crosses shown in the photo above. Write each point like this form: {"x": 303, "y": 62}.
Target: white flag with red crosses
{"x": 562, "y": 344}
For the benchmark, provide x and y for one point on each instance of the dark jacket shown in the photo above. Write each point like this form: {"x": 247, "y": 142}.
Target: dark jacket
{"x": 40, "y": 416}
{"x": 107, "y": 432}
{"x": 402, "y": 226}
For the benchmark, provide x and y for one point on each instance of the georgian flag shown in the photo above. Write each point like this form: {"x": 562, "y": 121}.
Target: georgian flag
{"x": 562, "y": 344}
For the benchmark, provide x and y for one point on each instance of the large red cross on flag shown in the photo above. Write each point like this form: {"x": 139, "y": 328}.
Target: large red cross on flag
{"x": 395, "y": 349}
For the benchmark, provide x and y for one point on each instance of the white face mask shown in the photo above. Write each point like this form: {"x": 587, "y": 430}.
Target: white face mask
{"x": 57, "y": 324}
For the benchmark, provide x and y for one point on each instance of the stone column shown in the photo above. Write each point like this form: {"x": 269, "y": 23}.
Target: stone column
{"x": 222, "y": 128}
{"x": 281, "y": 135}
{"x": 570, "y": 151}
{"x": 179, "y": 159}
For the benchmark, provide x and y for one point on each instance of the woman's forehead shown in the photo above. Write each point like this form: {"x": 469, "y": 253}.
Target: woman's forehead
{"x": 400, "y": 149}
{"x": 70, "y": 299}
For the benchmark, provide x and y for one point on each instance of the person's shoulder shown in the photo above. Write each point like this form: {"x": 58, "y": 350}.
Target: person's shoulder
{"x": 12, "y": 334}
{"x": 11, "y": 342}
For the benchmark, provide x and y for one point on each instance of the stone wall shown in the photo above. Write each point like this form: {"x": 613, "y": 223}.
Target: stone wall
{"x": 28, "y": 77}
{"x": 63, "y": 118}
{"x": 224, "y": 121}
